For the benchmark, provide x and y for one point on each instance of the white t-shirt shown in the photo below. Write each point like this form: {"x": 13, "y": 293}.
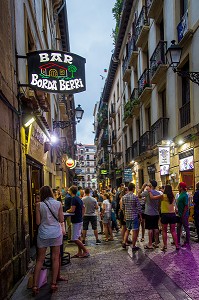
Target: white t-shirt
{"x": 107, "y": 205}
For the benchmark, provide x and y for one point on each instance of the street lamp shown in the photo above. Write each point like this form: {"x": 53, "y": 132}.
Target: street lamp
{"x": 63, "y": 124}
{"x": 109, "y": 148}
{"x": 173, "y": 55}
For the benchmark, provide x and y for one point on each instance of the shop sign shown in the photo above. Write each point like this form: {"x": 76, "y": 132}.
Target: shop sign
{"x": 103, "y": 172}
{"x": 164, "y": 170}
{"x": 186, "y": 163}
{"x": 71, "y": 163}
{"x": 164, "y": 156}
{"x": 127, "y": 175}
{"x": 56, "y": 71}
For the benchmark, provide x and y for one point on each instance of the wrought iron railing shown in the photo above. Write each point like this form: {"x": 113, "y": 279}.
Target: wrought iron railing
{"x": 159, "y": 131}
{"x": 142, "y": 21}
{"x": 183, "y": 26}
{"x": 185, "y": 115}
{"x": 134, "y": 95}
{"x": 112, "y": 111}
{"x": 145, "y": 142}
{"x": 113, "y": 136}
{"x": 125, "y": 64}
{"x": 135, "y": 150}
{"x": 132, "y": 45}
{"x": 158, "y": 57}
{"x": 144, "y": 81}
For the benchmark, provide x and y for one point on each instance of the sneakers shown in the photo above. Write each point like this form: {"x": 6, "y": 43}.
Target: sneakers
{"x": 98, "y": 242}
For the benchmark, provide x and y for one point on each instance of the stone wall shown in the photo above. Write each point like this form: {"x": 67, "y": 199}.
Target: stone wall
{"x": 13, "y": 257}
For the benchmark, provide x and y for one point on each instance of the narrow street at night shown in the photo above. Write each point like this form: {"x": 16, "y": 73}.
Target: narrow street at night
{"x": 114, "y": 273}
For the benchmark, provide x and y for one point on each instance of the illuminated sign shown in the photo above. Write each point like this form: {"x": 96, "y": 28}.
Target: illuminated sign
{"x": 186, "y": 163}
{"x": 56, "y": 71}
{"x": 104, "y": 172}
{"x": 71, "y": 163}
{"x": 164, "y": 156}
{"x": 164, "y": 170}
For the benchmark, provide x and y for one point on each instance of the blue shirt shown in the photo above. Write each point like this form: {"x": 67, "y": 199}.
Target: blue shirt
{"x": 77, "y": 202}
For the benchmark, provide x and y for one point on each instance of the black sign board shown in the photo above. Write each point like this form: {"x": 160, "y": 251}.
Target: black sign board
{"x": 56, "y": 71}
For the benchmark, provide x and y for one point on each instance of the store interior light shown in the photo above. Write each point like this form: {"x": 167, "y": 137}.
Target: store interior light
{"x": 29, "y": 122}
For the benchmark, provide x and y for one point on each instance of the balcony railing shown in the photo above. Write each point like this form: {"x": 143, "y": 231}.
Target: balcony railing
{"x": 141, "y": 22}
{"x": 159, "y": 131}
{"x": 132, "y": 51}
{"x": 145, "y": 142}
{"x": 144, "y": 81}
{"x": 154, "y": 8}
{"x": 134, "y": 95}
{"x": 112, "y": 111}
{"x": 113, "y": 137}
{"x": 185, "y": 115}
{"x": 135, "y": 150}
{"x": 183, "y": 26}
{"x": 158, "y": 57}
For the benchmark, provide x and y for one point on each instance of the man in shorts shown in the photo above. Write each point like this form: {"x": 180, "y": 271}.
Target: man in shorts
{"x": 90, "y": 216}
{"x": 151, "y": 213}
{"x": 132, "y": 208}
{"x": 77, "y": 208}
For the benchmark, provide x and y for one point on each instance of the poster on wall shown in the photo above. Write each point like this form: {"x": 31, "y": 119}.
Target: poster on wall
{"x": 56, "y": 71}
{"x": 164, "y": 156}
{"x": 186, "y": 163}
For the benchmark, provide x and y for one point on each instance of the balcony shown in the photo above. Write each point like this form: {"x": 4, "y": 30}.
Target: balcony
{"x": 135, "y": 102}
{"x": 158, "y": 64}
{"x": 154, "y": 8}
{"x": 185, "y": 115}
{"x": 184, "y": 30}
{"x": 135, "y": 150}
{"x": 112, "y": 111}
{"x": 145, "y": 142}
{"x": 102, "y": 116}
{"x": 159, "y": 131}
{"x": 133, "y": 51}
{"x": 126, "y": 70}
{"x": 142, "y": 28}
{"x": 128, "y": 117}
{"x": 128, "y": 155}
{"x": 144, "y": 86}
{"x": 104, "y": 138}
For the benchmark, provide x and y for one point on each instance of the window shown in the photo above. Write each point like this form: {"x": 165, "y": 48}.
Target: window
{"x": 148, "y": 118}
{"x": 118, "y": 90}
{"x": 183, "y": 7}
{"x": 88, "y": 164}
{"x": 88, "y": 170}
{"x": 185, "y": 108}
{"x": 87, "y": 156}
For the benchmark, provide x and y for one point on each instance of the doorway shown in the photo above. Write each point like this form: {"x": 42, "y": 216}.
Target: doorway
{"x": 34, "y": 182}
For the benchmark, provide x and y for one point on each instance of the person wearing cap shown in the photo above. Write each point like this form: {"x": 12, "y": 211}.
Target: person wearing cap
{"x": 183, "y": 212}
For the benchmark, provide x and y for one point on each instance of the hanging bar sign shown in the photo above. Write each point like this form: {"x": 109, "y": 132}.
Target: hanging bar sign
{"x": 56, "y": 71}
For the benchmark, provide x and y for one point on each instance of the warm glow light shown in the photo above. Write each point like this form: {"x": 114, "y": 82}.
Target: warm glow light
{"x": 29, "y": 122}
{"x": 180, "y": 142}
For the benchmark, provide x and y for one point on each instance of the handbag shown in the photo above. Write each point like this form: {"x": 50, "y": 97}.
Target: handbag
{"x": 42, "y": 277}
{"x": 61, "y": 224}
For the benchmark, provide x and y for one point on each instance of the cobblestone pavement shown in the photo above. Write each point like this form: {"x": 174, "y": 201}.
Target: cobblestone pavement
{"x": 113, "y": 273}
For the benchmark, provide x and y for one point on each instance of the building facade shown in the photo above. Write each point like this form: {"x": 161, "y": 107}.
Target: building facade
{"x": 29, "y": 158}
{"x": 86, "y": 166}
{"x": 152, "y": 110}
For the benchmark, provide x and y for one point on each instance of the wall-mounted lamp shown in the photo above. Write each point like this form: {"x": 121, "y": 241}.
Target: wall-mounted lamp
{"x": 109, "y": 148}
{"x": 63, "y": 124}
{"x": 28, "y": 121}
{"x": 173, "y": 56}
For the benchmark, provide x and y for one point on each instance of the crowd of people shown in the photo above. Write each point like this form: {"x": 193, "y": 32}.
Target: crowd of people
{"x": 125, "y": 210}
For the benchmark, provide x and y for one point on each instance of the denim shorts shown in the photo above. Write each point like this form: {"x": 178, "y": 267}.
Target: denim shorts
{"x": 132, "y": 224}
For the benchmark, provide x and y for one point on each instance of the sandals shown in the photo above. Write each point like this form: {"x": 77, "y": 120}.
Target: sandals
{"x": 142, "y": 240}
{"x": 148, "y": 248}
{"x": 35, "y": 291}
{"x": 164, "y": 249}
{"x": 53, "y": 287}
